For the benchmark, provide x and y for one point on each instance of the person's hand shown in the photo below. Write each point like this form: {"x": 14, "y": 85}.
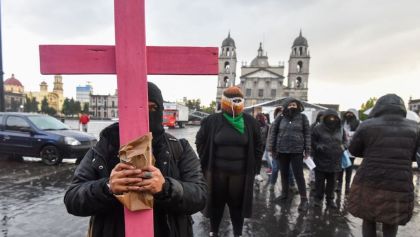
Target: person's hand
{"x": 153, "y": 180}
{"x": 124, "y": 178}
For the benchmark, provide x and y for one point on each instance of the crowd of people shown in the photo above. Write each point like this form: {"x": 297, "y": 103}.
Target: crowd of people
{"x": 231, "y": 146}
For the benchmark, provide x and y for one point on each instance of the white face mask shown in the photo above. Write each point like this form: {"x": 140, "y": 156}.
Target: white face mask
{"x": 236, "y": 104}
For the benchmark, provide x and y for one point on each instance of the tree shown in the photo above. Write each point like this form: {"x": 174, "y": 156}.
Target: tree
{"x": 66, "y": 107}
{"x": 34, "y": 105}
{"x": 28, "y": 104}
{"x": 365, "y": 106}
{"x": 85, "y": 108}
{"x": 211, "y": 109}
{"x": 44, "y": 106}
{"x": 77, "y": 107}
{"x": 194, "y": 104}
{"x": 72, "y": 107}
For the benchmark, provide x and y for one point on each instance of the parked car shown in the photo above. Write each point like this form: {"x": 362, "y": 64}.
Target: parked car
{"x": 36, "y": 135}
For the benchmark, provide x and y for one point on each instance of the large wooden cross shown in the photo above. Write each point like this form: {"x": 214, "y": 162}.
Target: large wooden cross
{"x": 132, "y": 61}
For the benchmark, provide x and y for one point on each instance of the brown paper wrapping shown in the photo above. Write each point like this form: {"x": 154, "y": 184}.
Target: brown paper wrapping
{"x": 139, "y": 154}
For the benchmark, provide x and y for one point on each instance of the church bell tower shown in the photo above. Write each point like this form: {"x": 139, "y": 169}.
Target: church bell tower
{"x": 227, "y": 68}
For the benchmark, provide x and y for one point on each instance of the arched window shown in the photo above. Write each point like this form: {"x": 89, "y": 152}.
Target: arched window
{"x": 298, "y": 82}
{"x": 227, "y": 67}
{"x": 299, "y": 66}
{"x": 300, "y": 51}
{"x": 295, "y": 51}
{"x": 226, "y": 81}
{"x": 227, "y": 52}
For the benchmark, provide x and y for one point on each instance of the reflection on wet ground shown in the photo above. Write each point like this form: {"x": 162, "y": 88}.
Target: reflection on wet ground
{"x": 31, "y": 204}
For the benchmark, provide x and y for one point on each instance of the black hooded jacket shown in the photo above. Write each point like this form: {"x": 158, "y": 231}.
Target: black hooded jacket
{"x": 291, "y": 133}
{"x": 328, "y": 144}
{"x": 184, "y": 191}
{"x": 382, "y": 189}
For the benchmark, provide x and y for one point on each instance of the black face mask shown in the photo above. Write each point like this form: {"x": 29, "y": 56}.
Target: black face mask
{"x": 155, "y": 117}
{"x": 293, "y": 111}
{"x": 155, "y": 122}
{"x": 332, "y": 123}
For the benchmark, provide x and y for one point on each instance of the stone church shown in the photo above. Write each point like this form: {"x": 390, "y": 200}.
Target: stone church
{"x": 261, "y": 82}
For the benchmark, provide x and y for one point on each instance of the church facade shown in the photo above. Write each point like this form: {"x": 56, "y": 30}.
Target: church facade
{"x": 55, "y": 98}
{"x": 262, "y": 82}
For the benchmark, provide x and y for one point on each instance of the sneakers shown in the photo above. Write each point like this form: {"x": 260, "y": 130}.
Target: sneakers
{"x": 317, "y": 203}
{"x": 259, "y": 178}
{"x": 303, "y": 206}
{"x": 281, "y": 198}
{"x": 293, "y": 190}
{"x": 331, "y": 205}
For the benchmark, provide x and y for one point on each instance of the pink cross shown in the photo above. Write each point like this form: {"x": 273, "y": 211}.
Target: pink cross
{"x": 132, "y": 61}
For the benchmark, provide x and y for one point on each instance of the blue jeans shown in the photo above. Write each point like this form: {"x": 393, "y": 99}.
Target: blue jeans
{"x": 268, "y": 158}
{"x": 275, "y": 173}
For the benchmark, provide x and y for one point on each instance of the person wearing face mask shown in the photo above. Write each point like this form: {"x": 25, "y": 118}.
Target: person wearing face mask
{"x": 328, "y": 139}
{"x": 350, "y": 124}
{"x": 290, "y": 142}
{"x": 176, "y": 181}
{"x": 230, "y": 149}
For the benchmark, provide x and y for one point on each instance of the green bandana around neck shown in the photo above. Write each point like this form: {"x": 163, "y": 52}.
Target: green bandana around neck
{"x": 237, "y": 122}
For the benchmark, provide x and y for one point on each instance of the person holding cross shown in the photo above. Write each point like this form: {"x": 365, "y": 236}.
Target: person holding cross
{"x": 230, "y": 148}
{"x": 176, "y": 181}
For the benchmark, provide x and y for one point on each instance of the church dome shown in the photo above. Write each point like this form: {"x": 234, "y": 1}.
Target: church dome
{"x": 300, "y": 41}
{"x": 228, "y": 42}
{"x": 260, "y": 60}
{"x": 12, "y": 81}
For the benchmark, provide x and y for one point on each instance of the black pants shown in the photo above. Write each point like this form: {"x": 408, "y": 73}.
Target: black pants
{"x": 227, "y": 189}
{"x": 349, "y": 172}
{"x": 321, "y": 188}
{"x": 369, "y": 229}
{"x": 296, "y": 159}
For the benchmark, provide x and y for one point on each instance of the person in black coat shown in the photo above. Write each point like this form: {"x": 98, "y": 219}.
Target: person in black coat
{"x": 230, "y": 148}
{"x": 290, "y": 142}
{"x": 328, "y": 139}
{"x": 176, "y": 181}
{"x": 382, "y": 189}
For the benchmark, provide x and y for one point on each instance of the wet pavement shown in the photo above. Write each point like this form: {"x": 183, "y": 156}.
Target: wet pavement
{"x": 31, "y": 204}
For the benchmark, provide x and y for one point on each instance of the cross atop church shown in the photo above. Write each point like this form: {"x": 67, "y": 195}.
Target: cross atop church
{"x": 132, "y": 61}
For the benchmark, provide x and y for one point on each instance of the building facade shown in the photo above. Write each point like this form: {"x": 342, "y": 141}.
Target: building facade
{"x": 414, "y": 105}
{"x": 55, "y": 98}
{"x": 103, "y": 106}
{"x": 14, "y": 95}
{"x": 260, "y": 81}
{"x": 83, "y": 93}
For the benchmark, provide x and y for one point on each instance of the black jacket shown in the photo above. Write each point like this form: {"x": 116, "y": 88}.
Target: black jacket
{"x": 206, "y": 149}
{"x": 291, "y": 133}
{"x": 185, "y": 192}
{"x": 382, "y": 189}
{"x": 328, "y": 144}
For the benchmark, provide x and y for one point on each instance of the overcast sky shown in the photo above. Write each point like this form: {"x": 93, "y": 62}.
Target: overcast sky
{"x": 359, "y": 48}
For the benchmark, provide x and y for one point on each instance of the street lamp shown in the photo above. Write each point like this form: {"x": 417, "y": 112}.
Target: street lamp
{"x": 1, "y": 71}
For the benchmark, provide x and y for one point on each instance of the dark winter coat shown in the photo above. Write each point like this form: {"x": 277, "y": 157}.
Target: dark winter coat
{"x": 291, "y": 133}
{"x": 185, "y": 194}
{"x": 206, "y": 148}
{"x": 382, "y": 189}
{"x": 328, "y": 144}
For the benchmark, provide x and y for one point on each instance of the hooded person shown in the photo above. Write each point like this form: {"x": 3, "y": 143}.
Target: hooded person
{"x": 264, "y": 127}
{"x": 230, "y": 148}
{"x": 328, "y": 139}
{"x": 350, "y": 124}
{"x": 382, "y": 189}
{"x": 176, "y": 181}
{"x": 290, "y": 142}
